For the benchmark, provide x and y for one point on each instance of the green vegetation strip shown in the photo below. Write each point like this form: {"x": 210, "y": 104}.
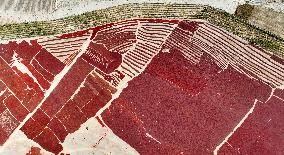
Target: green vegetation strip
{"x": 236, "y": 24}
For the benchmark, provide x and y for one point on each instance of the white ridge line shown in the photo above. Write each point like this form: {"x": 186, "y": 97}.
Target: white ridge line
{"x": 150, "y": 136}
{"x": 215, "y": 152}
{"x": 279, "y": 98}
{"x": 57, "y": 79}
{"x": 21, "y": 67}
{"x": 271, "y": 94}
{"x": 3, "y": 91}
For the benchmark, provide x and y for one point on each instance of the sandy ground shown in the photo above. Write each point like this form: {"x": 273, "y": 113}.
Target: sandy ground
{"x": 64, "y": 8}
